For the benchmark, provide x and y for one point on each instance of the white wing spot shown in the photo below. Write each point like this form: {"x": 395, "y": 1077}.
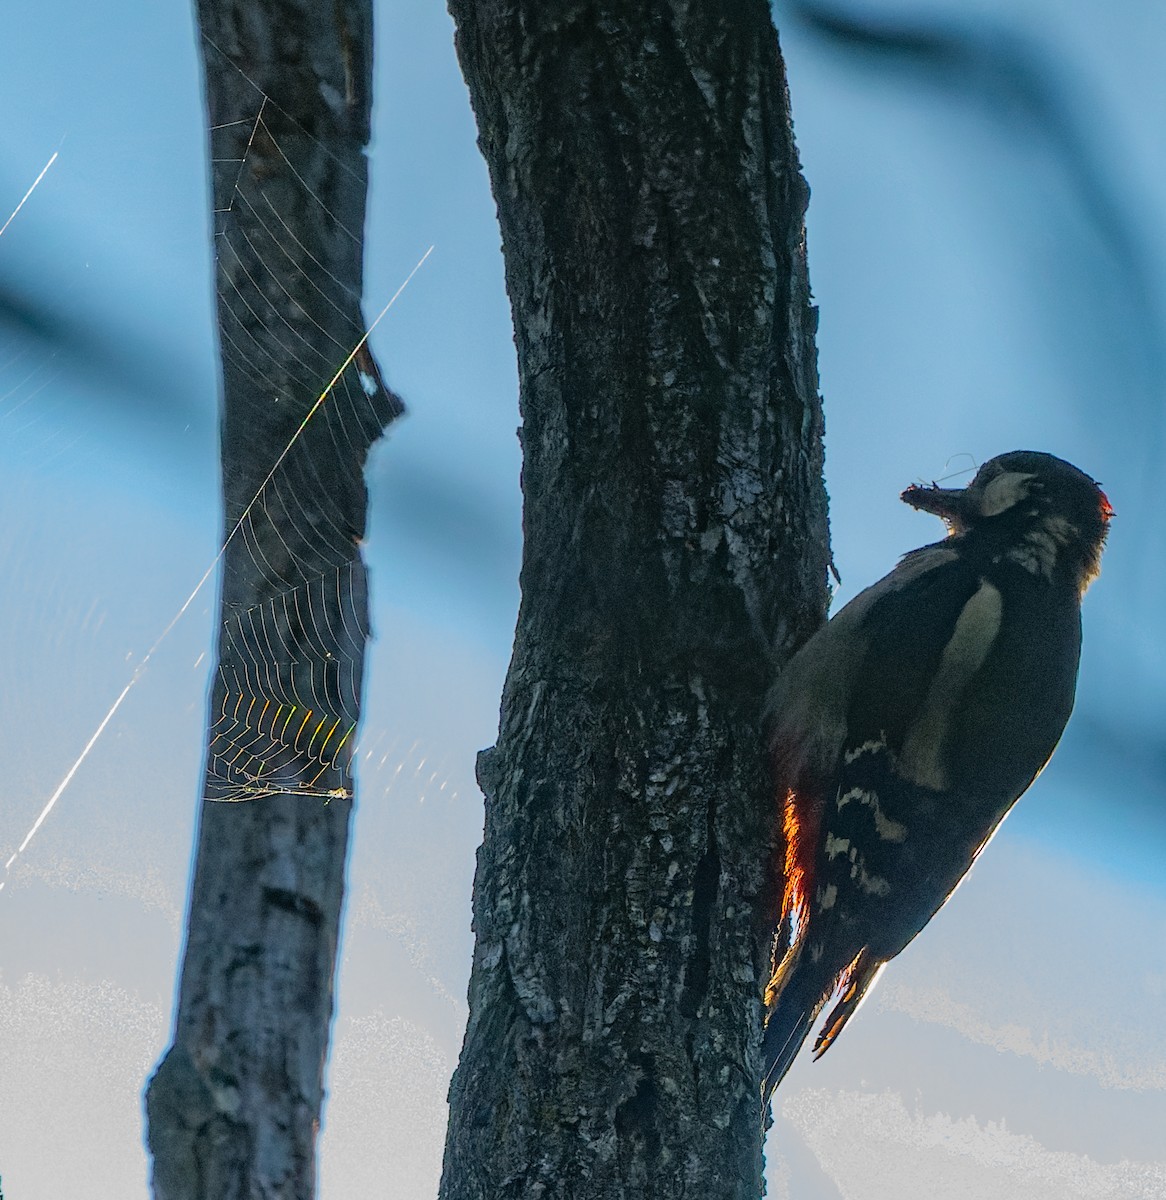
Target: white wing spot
{"x": 873, "y": 885}
{"x": 869, "y": 747}
{"x": 888, "y": 830}
{"x": 368, "y": 384}
{"x": 856, "y": 794}
{"x": 836, "y": 846}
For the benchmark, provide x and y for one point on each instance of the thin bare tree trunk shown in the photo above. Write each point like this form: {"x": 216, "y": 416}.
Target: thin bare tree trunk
{"x": 651, "y": 208}
{"x": 234, "y": 1107}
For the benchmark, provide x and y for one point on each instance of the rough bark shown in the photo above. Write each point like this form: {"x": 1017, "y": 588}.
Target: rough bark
{"x": 233, "y": 1109}
{"x": 651, "y": 208}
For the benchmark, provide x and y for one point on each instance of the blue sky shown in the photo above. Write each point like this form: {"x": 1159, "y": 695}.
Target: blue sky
{"x": 972, "y": 302}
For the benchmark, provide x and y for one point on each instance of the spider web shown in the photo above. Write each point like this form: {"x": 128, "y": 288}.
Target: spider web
{"x": 267, "y": 727}
{"x": 287, "y": 696}
{"x": 294, "y": 624}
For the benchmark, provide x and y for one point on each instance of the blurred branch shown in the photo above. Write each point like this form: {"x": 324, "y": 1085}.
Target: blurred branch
{"x": 1016, "y": 81}
{"x": 141, "y": 374}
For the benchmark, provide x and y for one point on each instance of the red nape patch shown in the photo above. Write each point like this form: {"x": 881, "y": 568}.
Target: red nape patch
{"x": 1106, "y": 507}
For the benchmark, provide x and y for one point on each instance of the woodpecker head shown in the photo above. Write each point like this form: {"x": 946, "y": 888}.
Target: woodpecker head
{"x": 1030, "y": 507}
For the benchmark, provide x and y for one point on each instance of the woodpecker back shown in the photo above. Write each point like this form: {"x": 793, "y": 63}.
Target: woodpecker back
{"x": 906, "y": 728}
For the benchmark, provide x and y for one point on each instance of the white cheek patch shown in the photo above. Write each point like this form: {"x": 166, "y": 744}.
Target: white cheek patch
{"x": 1061, "y": 530}
{"x": 1037, "y": 553}
{"x": 923, "y": 756}
{"x": 1004, "y": 492}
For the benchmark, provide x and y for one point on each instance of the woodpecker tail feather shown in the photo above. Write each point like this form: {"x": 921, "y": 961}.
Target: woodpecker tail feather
{"x": 856, "y": 982}
{"x": 803, "y": 993}
{"x": 782, "y": 1042}
{"x": 796, "y": 1006}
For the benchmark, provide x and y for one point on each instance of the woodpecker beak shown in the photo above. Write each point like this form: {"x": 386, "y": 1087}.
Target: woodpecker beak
{"x": 951, "y": 504}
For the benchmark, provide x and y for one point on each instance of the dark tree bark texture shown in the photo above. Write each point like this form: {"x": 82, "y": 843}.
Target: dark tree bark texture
{"x": 234, "y": 1107}
{"x": 651, "y": 207}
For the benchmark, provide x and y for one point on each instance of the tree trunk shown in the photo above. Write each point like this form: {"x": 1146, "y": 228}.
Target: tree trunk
{"x": 234, "y": 1107}
{"x": 651, "y": 208}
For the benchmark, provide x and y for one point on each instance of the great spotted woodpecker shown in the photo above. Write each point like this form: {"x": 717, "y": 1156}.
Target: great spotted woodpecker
{"x": 905, "y": 729}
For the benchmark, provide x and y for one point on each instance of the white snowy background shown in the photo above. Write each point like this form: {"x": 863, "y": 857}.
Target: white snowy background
{"x": 987, "y": 282}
